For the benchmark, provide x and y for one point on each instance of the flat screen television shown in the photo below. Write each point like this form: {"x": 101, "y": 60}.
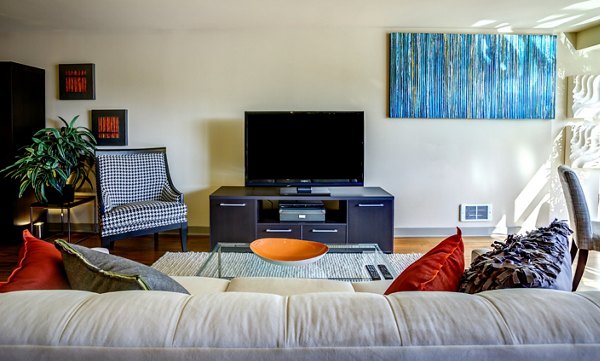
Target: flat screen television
{"x": 304, "y": 151}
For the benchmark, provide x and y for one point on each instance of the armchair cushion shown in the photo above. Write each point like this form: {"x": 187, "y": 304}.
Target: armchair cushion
{"x": 142, "y": 215}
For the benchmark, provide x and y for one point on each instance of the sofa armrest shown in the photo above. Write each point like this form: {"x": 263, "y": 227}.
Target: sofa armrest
{"x": 170, "y": 194}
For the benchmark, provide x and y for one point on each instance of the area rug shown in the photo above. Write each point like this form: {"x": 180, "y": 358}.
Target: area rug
{"x": 189, "y": 264}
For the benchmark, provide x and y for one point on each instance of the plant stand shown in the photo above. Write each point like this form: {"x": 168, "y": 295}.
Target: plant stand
{"x": 79, "y": 200}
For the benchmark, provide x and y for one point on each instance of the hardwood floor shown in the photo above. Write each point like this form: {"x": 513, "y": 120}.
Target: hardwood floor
{"x": 141, "y": 249}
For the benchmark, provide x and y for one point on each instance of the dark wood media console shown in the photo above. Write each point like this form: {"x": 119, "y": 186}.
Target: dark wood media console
{"x": 352, "y": 215}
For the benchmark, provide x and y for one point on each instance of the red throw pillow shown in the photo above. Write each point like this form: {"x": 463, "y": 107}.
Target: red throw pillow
{"x": 40, "y": 267}
{"x": 440, "y": 269}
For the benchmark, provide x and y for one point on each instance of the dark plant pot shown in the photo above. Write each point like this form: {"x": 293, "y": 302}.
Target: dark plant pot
{"x": 54, "y": 197}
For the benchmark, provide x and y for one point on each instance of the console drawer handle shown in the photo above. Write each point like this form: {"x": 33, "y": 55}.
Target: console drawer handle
{"x": 371, "y": 205}
{"x": 324, "y": 230}
{"x": 269, "y": 230}
{"x": 232, "y": 204}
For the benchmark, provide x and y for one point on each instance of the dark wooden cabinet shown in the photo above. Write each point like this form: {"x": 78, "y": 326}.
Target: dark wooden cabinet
{"x": 22, "y": 113}
{"x": 369, "y": 222}
{"x": 232, "y": 220}
{"x": 352, "y": 215}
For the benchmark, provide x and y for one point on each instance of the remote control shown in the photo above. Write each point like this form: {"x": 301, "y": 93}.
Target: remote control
{"x": 385, "y": 272}
{"x": 373, "y": 272}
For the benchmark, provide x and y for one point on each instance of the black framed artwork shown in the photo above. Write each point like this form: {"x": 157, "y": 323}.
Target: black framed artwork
{"x": 76, "y": 82}
{"x": 109, "y": 127}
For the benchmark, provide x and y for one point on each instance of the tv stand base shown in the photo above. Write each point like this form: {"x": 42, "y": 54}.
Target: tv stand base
{"x": 352, "y": 215}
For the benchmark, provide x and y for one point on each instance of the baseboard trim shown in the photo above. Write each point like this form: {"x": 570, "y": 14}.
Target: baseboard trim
{"x": 398, "y": 232}
{"x": 89, "y": 227}
{"x": 447, "y": 231}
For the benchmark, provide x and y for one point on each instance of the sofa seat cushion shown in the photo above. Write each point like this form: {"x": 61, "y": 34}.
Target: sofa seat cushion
{"x": 142, "y": 215}
{"x": 287, "y": 286}
{"x": 202, "y": 285}
{"x": 377, "y": 287}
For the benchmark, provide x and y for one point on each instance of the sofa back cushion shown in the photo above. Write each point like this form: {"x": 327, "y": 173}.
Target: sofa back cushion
{"x": 143, "y": 323}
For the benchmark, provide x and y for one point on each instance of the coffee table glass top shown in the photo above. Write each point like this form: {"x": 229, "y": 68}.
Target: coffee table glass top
{"x": 342, "y": 262}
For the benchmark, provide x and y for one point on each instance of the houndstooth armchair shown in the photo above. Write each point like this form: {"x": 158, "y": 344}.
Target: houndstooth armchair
{"x": 136, "y": 195}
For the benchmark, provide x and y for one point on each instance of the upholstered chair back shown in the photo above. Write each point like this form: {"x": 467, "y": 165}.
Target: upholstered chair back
{"x": 135, "y": 177}
{"x": 577, "y": 207}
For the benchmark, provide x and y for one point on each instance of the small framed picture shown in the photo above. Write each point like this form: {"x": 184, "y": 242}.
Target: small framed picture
{"x": 76, "y": 82}
{"x": 109, "y": 127}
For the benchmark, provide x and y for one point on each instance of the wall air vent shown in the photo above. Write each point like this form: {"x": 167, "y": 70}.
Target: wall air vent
{"x": 475, "y": 212}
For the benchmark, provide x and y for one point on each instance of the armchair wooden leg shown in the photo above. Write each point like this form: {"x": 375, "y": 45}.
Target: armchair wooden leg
{"x": 156, "y": 241}
{"x": 183, "y": 236}
{"x": 574, "y": 250}
{"x": 107, "y": 244}
{"x": 581, "y": 261}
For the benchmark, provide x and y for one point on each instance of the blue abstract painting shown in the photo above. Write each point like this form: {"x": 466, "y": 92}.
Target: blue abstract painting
{"x": 472, "y": 76}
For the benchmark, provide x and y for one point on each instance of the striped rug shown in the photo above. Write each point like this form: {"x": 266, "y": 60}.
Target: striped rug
{"x": 336, "y": 266}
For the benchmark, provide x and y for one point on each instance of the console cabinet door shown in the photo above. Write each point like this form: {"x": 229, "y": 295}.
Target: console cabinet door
{"x": 371, "y": 221}
{"x": 232, "y": 220}
{"x": 324, "y": 232}
{"x": 278, "y": 230}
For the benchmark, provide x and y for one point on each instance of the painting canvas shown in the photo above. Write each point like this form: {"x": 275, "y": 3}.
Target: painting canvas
{"x": 472, "y": 76}
{"x": 109, "y": 127}
{"x": 76, "y": 82}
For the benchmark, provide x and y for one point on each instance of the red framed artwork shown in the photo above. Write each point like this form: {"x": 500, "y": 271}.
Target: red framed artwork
{"x": 109, "y": 127}
{"x": 76, "y": 82}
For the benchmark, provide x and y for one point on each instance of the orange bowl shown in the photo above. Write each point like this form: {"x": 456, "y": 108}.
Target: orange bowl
{"x": 288, "y": 251}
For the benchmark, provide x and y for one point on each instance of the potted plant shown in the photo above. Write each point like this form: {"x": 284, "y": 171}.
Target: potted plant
{"x": 56, "y": 163}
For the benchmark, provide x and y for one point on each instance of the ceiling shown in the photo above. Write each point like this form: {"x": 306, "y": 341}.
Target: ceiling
{"x": 519, "y": 16}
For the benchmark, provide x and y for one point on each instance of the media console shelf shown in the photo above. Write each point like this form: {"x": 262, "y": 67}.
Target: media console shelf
{"x": 352, "y": 215}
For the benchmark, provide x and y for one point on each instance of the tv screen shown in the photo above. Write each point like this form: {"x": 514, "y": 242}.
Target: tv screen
{"x": 304, "y": 149}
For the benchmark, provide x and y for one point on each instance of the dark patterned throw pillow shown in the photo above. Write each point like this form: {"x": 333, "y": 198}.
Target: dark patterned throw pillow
{"x": 94, "y": 271}
{"x": 538, "y": 259}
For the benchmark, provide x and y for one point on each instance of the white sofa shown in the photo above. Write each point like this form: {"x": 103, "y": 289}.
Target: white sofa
{"x": 260, "y": 319}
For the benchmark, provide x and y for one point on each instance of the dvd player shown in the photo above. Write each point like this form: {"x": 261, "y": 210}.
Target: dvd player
{"x": 301, "y": 204}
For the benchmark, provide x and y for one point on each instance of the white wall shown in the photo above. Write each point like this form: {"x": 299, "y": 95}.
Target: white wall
{"x": 188, "y": 91}
{"x": 572, "y": 62}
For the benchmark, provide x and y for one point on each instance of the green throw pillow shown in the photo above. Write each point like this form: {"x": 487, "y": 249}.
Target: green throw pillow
{"x": 94, "y": 271}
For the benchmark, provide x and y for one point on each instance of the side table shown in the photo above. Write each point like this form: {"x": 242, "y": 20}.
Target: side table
{"x": 79, "y": 200}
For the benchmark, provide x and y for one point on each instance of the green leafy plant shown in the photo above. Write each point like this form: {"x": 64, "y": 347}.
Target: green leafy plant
{"x": 55, "y": 159}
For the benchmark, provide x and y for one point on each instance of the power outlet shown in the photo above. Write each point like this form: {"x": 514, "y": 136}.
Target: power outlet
{"x": 475, "y": 212}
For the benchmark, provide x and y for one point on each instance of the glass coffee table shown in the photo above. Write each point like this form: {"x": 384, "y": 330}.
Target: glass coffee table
{"x": 345, "y": 262}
